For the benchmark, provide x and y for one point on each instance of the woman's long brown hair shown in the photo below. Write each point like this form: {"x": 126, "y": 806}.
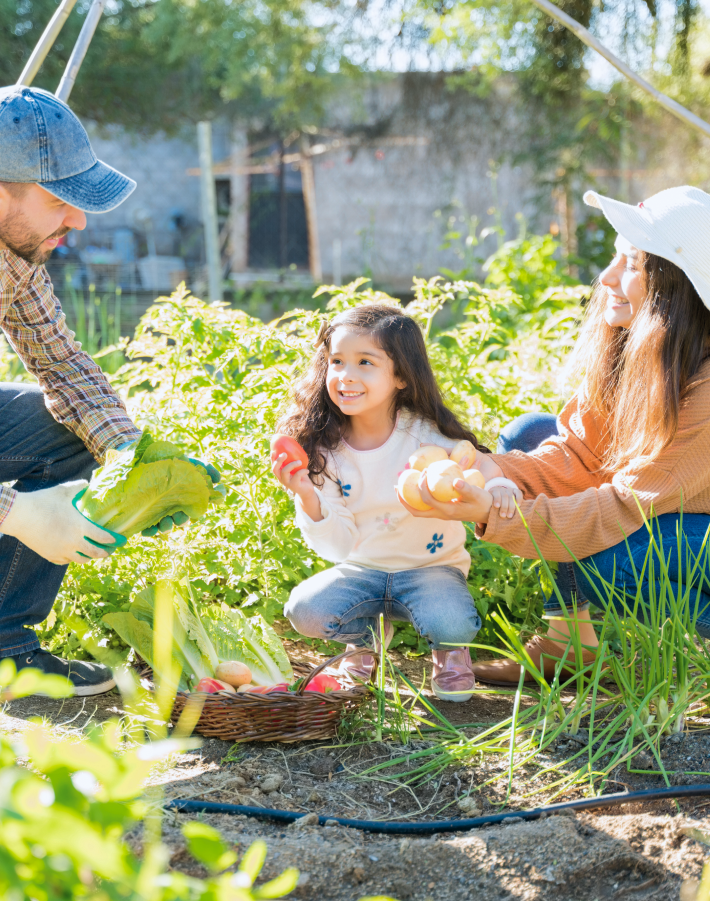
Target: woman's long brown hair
{"x": 318, "y": 424}
{"x": 635, "y": 379}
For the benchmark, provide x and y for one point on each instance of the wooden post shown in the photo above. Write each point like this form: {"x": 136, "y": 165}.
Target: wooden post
{"x": 309, "y": 200}
{"x": 209, "y": 211}
{"x": 239, "y": 196}
{"x": 86, "y": 34}
{"x": 283, "y": 211}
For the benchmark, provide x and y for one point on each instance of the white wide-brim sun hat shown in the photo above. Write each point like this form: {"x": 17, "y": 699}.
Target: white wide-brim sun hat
{"x": 673, "y": 224}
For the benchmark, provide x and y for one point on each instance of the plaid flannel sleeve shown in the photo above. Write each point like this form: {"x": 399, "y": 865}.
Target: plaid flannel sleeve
{"x": 77, "y": 392}
{"x": 7, "y": 499}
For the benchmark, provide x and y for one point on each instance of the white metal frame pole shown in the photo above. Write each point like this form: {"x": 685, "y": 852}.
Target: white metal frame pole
{"x": 209, "y": 211}
{"x": 588, "y": 38}
{"x": 93, "y": 17}
{"x": 51, "y": 32}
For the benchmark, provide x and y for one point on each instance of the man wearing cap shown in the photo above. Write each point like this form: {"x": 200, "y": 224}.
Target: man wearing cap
{"x": 54, "y": 433}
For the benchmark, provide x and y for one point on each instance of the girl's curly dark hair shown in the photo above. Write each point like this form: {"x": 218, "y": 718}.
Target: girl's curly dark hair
{"x": 317, "y": 423}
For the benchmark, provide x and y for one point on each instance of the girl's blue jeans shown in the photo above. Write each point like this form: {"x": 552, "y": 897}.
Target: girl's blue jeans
{"x": 616, "y": 564}
{"x": 344, "y": 604}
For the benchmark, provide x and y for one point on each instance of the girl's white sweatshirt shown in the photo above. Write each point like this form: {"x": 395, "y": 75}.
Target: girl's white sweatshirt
{"x": 364, "y": 523}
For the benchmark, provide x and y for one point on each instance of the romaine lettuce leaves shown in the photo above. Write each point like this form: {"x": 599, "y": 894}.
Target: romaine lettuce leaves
{"x": 140, "y": 486}
{"x": 203, "y": 637}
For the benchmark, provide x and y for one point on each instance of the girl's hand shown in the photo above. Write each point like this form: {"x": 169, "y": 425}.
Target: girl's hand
{"x": 504, "y": 500}
{"x": 297, "y": 482}
{"x": 473, "y": 506}
{"x": 300, "y": 484}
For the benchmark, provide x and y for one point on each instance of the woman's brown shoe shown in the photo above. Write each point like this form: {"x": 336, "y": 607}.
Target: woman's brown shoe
{"x": 543, "y": 653}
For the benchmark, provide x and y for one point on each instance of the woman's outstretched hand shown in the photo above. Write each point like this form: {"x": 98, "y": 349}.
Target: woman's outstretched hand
{"x": 473, "y": 506}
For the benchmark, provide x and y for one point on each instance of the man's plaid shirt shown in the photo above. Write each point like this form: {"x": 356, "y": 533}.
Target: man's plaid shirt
{"x": 76, "y": 391}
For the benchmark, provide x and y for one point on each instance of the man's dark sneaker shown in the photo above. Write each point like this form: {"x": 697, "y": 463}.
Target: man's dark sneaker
{"x": 87, "y": 678}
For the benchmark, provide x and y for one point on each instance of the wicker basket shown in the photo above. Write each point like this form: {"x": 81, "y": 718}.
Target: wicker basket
{"x": 277, "y": 716}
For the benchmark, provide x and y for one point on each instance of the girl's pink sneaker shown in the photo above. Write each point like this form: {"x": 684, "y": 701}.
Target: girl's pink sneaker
{"x": 359, "y": 667}
{"x": 452, "y": 678}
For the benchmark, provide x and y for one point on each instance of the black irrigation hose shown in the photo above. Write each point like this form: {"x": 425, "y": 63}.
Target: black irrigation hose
{"x": 435, "y": 826}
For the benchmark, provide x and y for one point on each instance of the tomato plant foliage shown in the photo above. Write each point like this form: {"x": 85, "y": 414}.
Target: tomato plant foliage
{"x": 214, "y": 380}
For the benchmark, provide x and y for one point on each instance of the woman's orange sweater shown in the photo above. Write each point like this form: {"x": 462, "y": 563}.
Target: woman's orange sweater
{"x": 565, "y": 493}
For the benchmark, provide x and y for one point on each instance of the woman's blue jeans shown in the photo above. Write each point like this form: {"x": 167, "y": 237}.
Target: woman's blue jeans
{"x": 35, "y": 452}
{"x": 618, "y": 563}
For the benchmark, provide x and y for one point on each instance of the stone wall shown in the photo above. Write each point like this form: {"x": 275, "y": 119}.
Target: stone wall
{"x": 412, "y": 153}
{"x": 419, "y": 150}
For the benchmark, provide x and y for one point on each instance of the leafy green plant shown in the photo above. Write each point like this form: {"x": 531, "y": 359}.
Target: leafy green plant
{"x": 202, "y": 638}
{"x": 213, "y": 379}
{"x": 528, "y": 264}
{"x": 500, "y": 581}
{"x": 141, "y": 485}
{"x": 65, "y": 811}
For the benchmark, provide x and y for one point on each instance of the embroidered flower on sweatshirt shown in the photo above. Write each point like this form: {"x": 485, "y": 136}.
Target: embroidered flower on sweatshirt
{"x": 345, "y": 489}
{"x": 437, "y": 541}
{"x": 387, "y": 522}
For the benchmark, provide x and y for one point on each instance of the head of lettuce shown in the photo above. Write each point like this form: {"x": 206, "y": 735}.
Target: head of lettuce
{"x": 146, "y": 484}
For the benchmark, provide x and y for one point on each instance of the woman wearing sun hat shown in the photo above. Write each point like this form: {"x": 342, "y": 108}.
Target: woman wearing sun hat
{"x": 635, "y": 437}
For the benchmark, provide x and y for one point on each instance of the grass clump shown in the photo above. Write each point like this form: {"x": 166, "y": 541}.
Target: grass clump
{"x": 650, "y": 679}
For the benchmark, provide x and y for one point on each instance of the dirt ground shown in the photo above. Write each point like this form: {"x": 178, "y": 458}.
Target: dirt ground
{"x": 630, "y": 852}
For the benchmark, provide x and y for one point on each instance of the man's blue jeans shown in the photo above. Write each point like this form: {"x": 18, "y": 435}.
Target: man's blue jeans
{"x": 344, "y": 604}
{"x": 617, "y": 563}
{"x": 35, "y": 452}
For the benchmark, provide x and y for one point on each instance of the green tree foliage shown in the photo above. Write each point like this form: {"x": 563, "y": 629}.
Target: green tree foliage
{"x": 570, "y": 128}
{"x": 157, "y": 65}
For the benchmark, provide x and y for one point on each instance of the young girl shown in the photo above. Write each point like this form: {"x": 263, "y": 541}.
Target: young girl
{"x": 368, "y": 401}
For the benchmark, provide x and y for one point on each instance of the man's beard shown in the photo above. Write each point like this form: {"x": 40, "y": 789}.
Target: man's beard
{"x": 16, "y": 234}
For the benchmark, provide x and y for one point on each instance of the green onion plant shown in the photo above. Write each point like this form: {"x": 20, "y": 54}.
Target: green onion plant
{"x": 650, "y": 678}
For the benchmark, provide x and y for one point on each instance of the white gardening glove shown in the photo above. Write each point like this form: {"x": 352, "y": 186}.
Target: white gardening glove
{"x": 47, "y": 523}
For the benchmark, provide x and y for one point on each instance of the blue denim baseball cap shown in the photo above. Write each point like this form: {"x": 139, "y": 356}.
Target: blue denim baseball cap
{"x": 43, "y": 142}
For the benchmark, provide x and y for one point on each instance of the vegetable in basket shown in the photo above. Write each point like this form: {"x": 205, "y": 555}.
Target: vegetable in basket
{"x": 147, "y": 483}
{"x": 204, "y": 638}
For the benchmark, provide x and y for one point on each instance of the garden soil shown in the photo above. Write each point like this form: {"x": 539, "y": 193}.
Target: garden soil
{"x": 635, "y": 851}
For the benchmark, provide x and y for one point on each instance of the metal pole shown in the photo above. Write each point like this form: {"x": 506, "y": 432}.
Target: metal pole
{"x": 51, "y": 32}
{"x": 79, "y": 52}
{"x": 587, "y": 38}
{"x": 209, "y": 211}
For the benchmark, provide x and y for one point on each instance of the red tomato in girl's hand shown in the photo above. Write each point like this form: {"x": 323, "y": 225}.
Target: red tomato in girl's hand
{"x": 284, "y": 444}
{"x": 323, "y": 683}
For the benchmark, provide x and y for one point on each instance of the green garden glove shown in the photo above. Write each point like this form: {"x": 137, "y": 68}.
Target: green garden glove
{"x": 168, "y": 523}
{"x": 119, "y": 539}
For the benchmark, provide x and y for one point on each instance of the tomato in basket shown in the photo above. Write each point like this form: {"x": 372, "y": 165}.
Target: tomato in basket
{"x": 263, "y": 689}
{"x": 211, "y": 686}
{"x": 323, "y": 683}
